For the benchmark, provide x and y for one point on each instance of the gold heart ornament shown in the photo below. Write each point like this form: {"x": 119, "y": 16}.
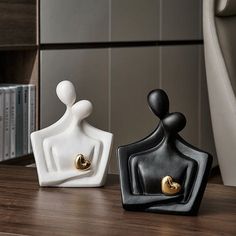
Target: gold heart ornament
{"x": 82, "y": 163}
{"x": 169, "y": 187}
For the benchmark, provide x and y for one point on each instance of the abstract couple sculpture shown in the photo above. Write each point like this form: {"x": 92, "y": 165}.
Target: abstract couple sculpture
{"x": 162, "y": 172}
{"x": 72, "y": 153}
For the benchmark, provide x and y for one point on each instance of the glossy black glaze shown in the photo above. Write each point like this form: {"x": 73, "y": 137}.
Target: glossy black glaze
{"x": 143, "y": 164}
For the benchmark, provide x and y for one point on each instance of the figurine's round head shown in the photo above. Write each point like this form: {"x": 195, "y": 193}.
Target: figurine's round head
{"x": 66, "y": 92}
{"x": 174, "y": 122}
{"x": 158, "y": 102}
{"x": 82, "y": 109}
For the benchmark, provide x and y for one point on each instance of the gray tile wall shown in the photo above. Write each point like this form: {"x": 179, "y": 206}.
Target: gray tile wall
{"x": 180, "y": 79}
{"x": 72, "y": 21}
{"x": 134, "y": 20}
{"x": 134, "y": 72}
{"x": 180, "y": 19}
{"x": 117, "y": 80}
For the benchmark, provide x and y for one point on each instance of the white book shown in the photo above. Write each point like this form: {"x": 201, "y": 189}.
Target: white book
{"x": 25, "y": 118}
{"x": 31, "y": 113}
{"x": 13, "y": 92}
{"x": 1, "y": 124}
{"x": 6, "y": 141}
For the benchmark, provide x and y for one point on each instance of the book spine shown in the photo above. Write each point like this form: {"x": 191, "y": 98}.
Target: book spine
{"x": 31, "y": 118}
{"x": 7, "y": 124}
{"x": 1, "y": 123}
{"x": 19, "y": 121}
{"x": 13, "y": 123}
{"x": 25, "y": 119}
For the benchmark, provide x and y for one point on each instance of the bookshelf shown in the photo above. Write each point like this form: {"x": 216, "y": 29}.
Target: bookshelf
{"x": 19, "y": 51}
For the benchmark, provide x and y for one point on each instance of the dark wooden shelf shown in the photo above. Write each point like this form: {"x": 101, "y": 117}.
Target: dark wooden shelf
{"x": 18, "y": 47}
{"x": 18, "y": 22}
{"x": 19, "y": 161}
{"x": 27, "y": 209}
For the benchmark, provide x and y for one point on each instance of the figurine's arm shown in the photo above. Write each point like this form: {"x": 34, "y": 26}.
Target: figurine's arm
{"x": 151, "y": 200}
{"x": 57, "y": 178}
{"x": 135, "y": 183}
{"x": 189, "y": 178}
{"x": 51, "y": 165}
{"x": 95, "y": 155}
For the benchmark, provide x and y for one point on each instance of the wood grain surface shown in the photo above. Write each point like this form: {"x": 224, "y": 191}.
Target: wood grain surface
{"x": 17, "y": 22}
{"x": 27, "y": 209}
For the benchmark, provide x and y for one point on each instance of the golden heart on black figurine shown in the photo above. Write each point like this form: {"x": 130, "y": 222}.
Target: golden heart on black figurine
{"x": 82, "y": 163}
{"x": 169, "y": 187}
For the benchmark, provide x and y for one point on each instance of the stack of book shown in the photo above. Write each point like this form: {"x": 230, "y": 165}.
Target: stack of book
{"x": 17, "y": 119}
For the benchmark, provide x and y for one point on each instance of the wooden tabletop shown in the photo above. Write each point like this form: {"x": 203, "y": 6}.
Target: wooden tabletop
{"x": 27, "y": 209}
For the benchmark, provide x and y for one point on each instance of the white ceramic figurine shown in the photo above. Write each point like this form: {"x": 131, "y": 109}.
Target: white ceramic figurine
{"x": 71, "y": 152}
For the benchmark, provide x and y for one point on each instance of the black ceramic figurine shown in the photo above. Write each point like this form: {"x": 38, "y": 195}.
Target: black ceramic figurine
{"x": 162, "y": 172}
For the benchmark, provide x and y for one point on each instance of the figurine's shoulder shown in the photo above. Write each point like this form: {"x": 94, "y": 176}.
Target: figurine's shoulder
{"x": 192, "y": 151}
{"x": 54, "y": 128}
{"x": 95, "y": 132}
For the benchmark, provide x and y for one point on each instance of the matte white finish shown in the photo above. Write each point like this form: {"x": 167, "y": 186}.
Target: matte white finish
{"x": 56, "y": 146}
{"x": 221, "y": 96}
